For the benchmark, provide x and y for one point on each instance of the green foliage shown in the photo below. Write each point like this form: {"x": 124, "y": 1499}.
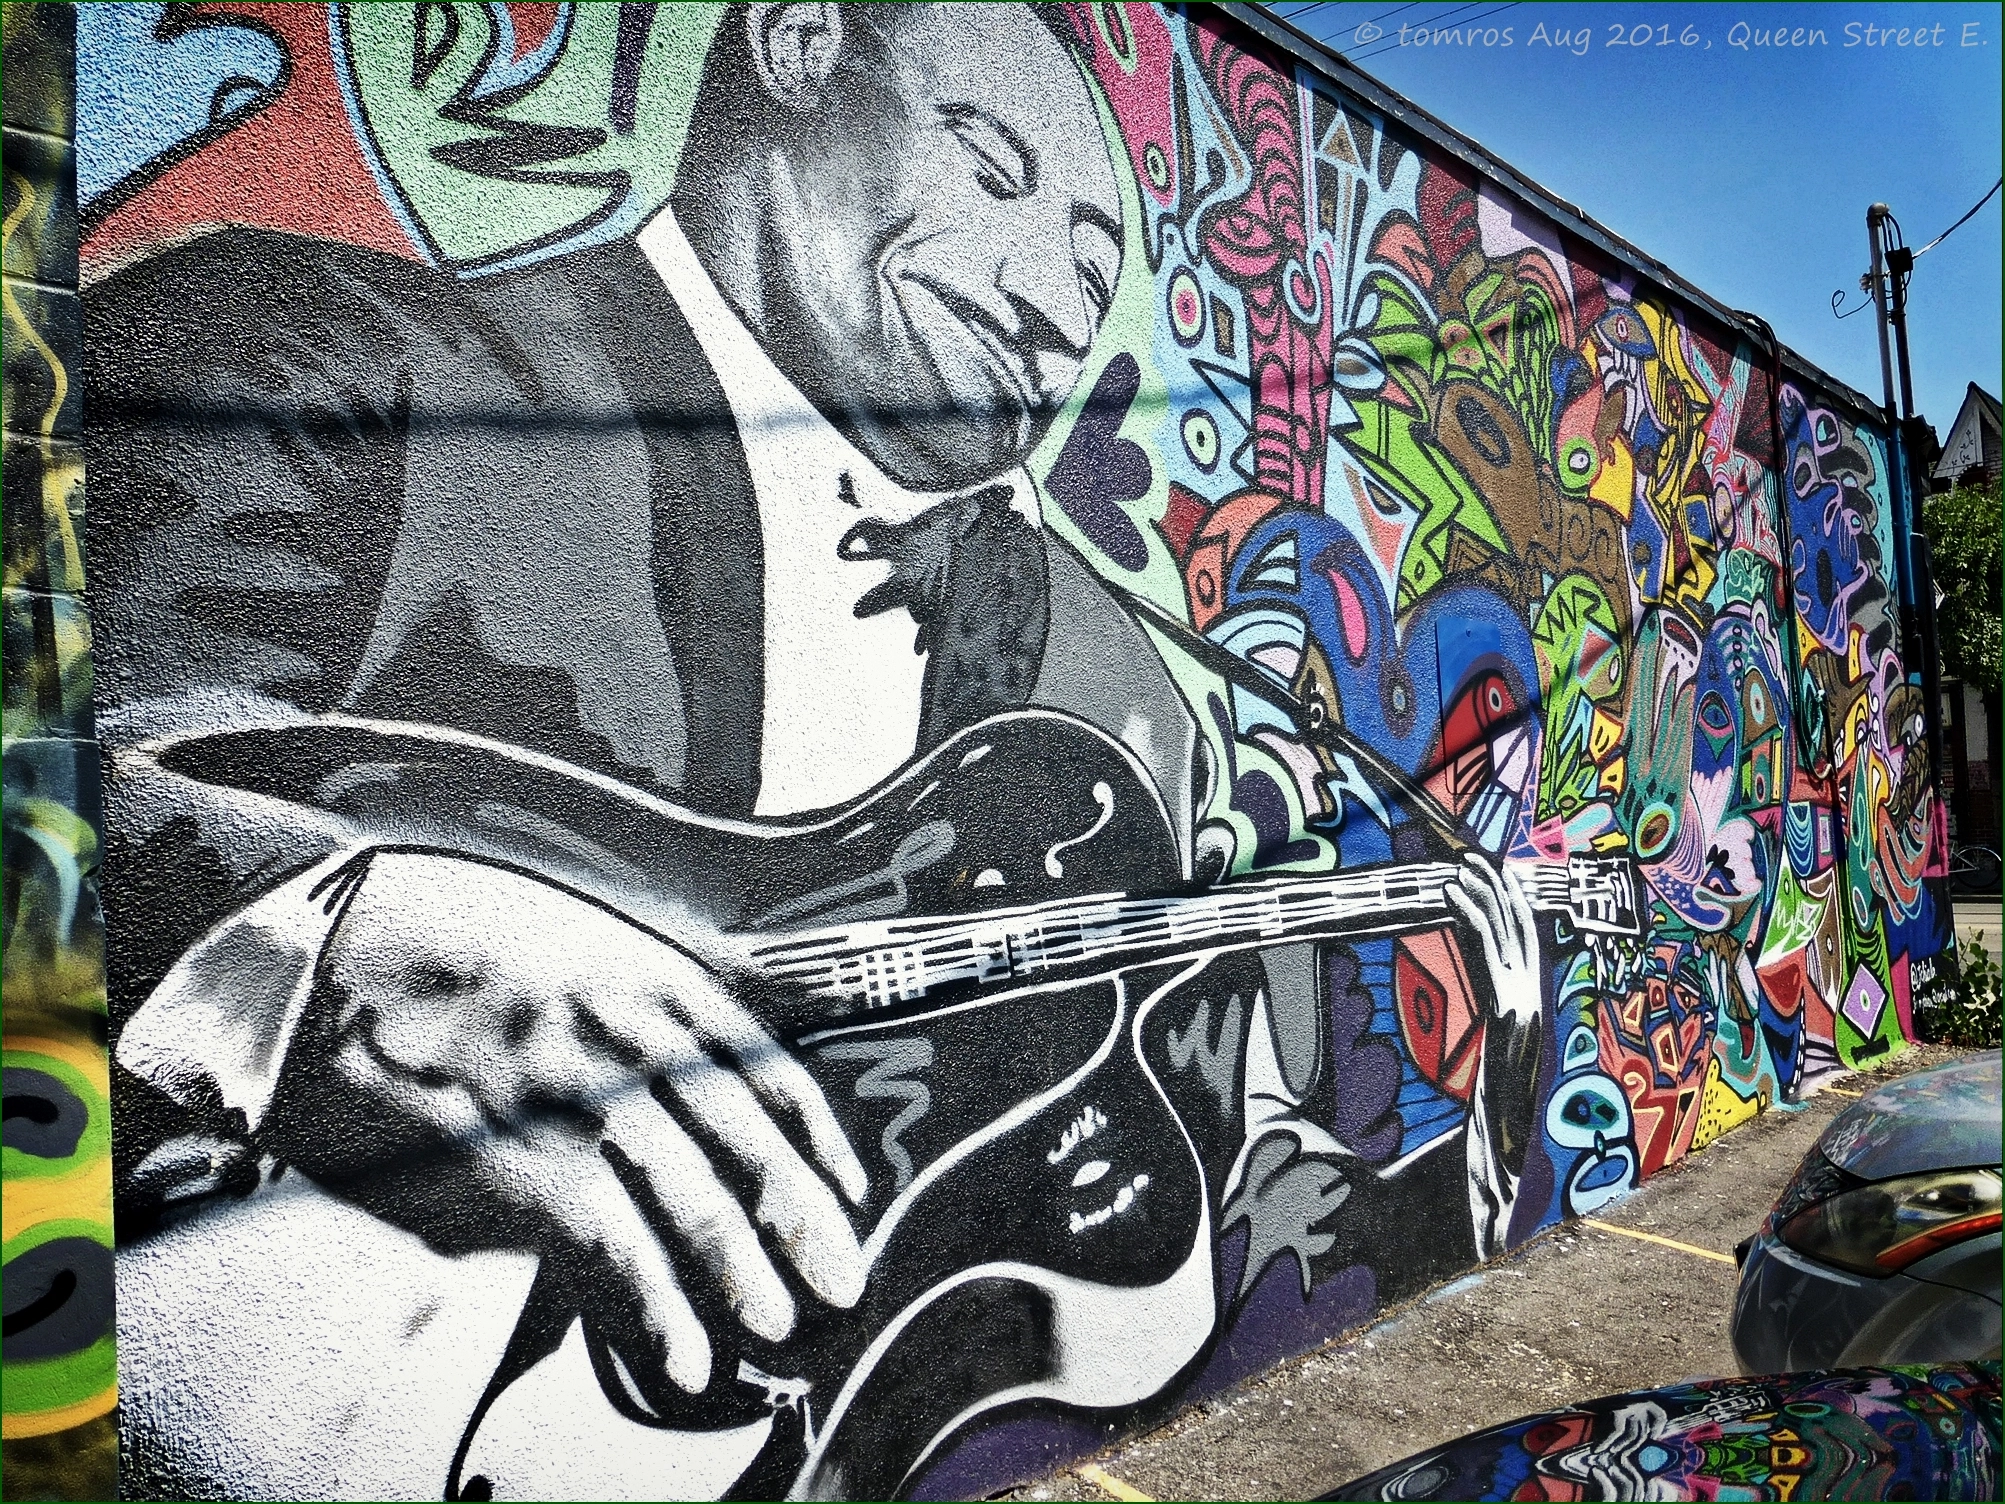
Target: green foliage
{"x": 1970, "y": 1015}
{"x": 1962, "y": 529}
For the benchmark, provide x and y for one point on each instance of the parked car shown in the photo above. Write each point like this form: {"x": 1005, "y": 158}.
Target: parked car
{"x": 1884, "y": 1246}
{"x": 1882, "y": 1250}
{"x": 1865, "y": 1433}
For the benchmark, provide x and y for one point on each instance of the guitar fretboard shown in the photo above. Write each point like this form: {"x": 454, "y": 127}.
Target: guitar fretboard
{"x": 875, "y": 963}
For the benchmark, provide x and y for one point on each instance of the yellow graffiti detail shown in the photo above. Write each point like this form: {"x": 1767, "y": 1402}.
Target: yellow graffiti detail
{"x": 54, "y": 503}
{"x": 1614, "y": 485}
{"x": 1721, "y": 1108}
{"x": 1604, "y": 734}
{"x": 81, "y": 1194}
{"x": 1615, "y": 776}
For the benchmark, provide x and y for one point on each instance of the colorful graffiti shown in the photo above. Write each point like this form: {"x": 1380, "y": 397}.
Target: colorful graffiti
{"x": 785, "y": 681}
{"x": 1885, "y": 1433}
{"x": 60, "y": 1375}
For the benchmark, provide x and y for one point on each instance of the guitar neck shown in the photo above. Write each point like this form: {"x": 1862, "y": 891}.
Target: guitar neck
{"x": 876, "y": 963}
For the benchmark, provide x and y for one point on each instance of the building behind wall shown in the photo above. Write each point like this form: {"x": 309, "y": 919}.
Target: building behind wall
{"x": 1970, "y": 455}
{"x": 504, "y": 586}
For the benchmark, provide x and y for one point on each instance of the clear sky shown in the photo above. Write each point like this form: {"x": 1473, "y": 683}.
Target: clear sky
{"x": 1745, "y": 168}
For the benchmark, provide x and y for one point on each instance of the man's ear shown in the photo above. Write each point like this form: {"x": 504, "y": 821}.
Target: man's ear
{"x": 795, "y": 48}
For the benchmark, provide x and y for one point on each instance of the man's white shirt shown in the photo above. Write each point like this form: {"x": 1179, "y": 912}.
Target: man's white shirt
{"x": 843, "y": 694}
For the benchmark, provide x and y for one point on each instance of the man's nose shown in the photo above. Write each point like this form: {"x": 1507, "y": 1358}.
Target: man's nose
{"x": 1040, "y": 278}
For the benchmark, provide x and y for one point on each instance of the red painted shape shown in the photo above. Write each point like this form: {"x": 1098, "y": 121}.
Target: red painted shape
{"x": 1786, "y": 982}
{"x": 1658, "y": 1054}
{"x": 1559, "y": 1433}
{"x": 1181, "y": 519}
{"x": 1399, "y": 243}
{"x": 1215, "y": 542}
{"x": 1903, "y": 981}
{"x": 1462, "y": 756}
{"x": 1475, "y": 711}
{"x": 1447, "y": 204}
{"x": 534, "y": 21}
{"x": 294, "y": 164}
{"x": 1437, "y": 1011}
{"x": 1458, "y": 783}
{"x": 1260, "y": 243}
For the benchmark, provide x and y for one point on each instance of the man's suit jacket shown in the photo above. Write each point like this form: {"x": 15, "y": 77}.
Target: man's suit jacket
{"x": 337, "y": 480}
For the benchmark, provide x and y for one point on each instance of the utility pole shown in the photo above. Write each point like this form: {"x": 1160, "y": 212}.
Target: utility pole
{"x": 1876, "y": 218}
{"x": 1891, "y": 268}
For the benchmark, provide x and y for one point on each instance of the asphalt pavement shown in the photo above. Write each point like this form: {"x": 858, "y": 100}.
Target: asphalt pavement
{"x": 1636, "y": 1298}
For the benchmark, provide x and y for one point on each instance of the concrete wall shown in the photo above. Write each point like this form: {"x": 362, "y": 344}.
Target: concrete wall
{"x": 60, "y": 1381}
{"x": 846, "y": 742}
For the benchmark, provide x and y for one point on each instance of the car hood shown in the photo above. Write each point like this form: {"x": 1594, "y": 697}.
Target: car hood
{"x": 1938, "y": 1119}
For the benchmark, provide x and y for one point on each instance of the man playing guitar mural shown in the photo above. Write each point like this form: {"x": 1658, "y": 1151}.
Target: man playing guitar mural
{"x": 708, "y": 1048}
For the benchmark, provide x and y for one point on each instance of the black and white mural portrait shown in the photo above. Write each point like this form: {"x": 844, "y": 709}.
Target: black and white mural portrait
{"x": 793, "y": 808}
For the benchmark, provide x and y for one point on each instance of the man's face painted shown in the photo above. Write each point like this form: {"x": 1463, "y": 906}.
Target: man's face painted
{"x": 945, "y": 241}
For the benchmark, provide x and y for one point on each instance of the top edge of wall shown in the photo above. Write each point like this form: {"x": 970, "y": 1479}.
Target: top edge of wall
{"x": 1346, "y": 75}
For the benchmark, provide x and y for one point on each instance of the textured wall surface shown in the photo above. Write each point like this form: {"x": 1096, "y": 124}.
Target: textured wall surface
{"x": 845, "y": 741}
{"x": 60, "y": 1375}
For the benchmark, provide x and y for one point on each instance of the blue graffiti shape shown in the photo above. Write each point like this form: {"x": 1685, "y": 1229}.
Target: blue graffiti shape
{"x": 1098, "y": 469}
{"x": 1835, "y": 558}
{"x": 152, "y": 82}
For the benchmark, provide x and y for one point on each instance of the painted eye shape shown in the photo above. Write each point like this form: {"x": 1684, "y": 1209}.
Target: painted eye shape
{"x": 1585, "y": 1110}
{"x": 1654, "y": 831}
{"x": 1186, "y": 307}
{"x": 1713, "y": 712}
{"x": 1098, "y": 295}
{"x": 1382, "y": 502}
{"x": 1200, "y": 436}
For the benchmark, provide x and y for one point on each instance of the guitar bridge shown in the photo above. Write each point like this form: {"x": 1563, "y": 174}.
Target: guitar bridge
{"x": 1601, "y": 895}
{"x": 781, "y": 1394}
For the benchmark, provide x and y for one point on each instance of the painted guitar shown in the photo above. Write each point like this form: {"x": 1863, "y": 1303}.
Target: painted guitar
{"x": 969, "y": 961}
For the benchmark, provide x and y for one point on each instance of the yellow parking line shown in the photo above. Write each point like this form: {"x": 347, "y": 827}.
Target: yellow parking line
{"x": 1113, "y": 1487}
{"x": 1651, "y": 1237}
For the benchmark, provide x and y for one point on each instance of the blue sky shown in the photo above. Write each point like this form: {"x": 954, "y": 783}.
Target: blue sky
{"x": 1747, "y": 170}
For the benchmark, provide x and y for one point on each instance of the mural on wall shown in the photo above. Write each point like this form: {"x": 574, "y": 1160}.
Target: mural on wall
{"x": 1921, "y": 1430}
{"x": 842, "y": 738}
{"x": 58, "y": 1373}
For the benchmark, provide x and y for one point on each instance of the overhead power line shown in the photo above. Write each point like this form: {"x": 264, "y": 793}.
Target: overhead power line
{"x": 1439, "y": 16}
{"x": 1303, "y": 14}
{"x": 1900, "y": 242}
{"x": 1960, "y": 223}
{"x": 1385, "y": 15}
{"x": 1435, "y": 21}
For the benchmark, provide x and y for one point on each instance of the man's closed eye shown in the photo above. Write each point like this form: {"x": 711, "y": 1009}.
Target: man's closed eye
{"x": 1005, "y": 165}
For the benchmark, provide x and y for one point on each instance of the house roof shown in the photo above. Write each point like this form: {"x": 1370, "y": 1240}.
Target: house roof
{"x": 1973, "y": 437}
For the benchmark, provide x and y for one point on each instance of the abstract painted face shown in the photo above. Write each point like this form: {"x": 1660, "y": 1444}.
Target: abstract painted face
{"x": 1837, "y": 559}
{"x": 946, "y": 241}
